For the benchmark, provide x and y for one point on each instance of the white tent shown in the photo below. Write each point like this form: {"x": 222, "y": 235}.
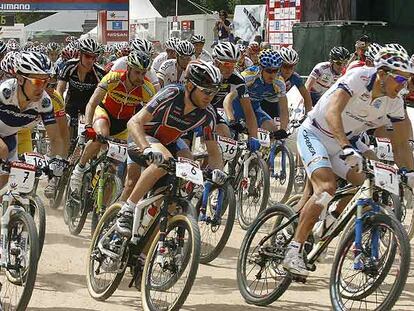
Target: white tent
{"x": 139, "y": 9}
{"x": 93, "y": 33}
{"x": 68, "y": 21}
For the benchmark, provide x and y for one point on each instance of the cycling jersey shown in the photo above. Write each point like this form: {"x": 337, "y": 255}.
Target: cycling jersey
{"x": 121, "y": 65}
{"x": 234, "y": 83}
{"x": 244, "y": 65}
{"x": 120, "y": 103}
{"x": 58, "y": 104}
{"x": 79, "y": 92}
{"x": 354, "y": 64}
{"x": 159, "y": 60}
{"x": 169, "y": 122}
{"x": 361, "y": 113}
{"x": 168, "y": 73}
{"x": 204, "y": 55}
{"x": 325, "y": 77}
{"x": 294, "y": 80}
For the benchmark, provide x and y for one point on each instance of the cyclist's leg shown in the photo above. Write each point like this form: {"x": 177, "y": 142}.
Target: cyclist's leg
{"x": 8, "y": 151}
{"x": 264, "y": 120}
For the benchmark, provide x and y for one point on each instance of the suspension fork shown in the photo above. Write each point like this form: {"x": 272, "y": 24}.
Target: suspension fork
{"x": 217, "y": 214}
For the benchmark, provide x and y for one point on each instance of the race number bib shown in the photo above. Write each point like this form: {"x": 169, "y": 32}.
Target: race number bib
{"x": 22, "y": 177}
{"x": 35, "y": 159}
{"x": 264, "y": 137}
{"x": 117, "y": 152}
{"x": 384, "y": 149}
{"x": 228, "y": 147}
{"x": 189, "y": 170}
{"x": 386, "y": 177}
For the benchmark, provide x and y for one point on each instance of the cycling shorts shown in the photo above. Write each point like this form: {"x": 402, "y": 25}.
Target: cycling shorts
{"x": 261, "y": 116}
{"x": 117, "y": 127}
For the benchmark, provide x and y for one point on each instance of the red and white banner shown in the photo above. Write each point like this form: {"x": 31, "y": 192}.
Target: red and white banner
{"x": 113, "y": 26}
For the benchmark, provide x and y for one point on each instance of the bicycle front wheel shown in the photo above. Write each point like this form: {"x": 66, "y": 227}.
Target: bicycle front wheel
{"x": 18, "y": 278}
{"x": 37, "y": 210}
{"x": 169, "y": 272}
{"x": 377, "y": 281}
{"x": 282, "y": 174}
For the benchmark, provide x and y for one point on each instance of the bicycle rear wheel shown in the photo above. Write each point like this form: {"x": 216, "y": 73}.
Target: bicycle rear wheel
{"x": 378, "y": 284}
{"x": 79, "y": 205}
{"x": 282, "y": 175}
{"x": 18, "y": 279}
{"x": 168, "y": 277}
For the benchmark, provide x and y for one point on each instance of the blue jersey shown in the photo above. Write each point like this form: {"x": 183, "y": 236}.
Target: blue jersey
{"x": 259, "y": 90}
{"x": 294, "y": 80}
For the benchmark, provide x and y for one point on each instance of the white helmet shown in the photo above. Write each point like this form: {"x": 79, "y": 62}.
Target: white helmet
{"x": 226, "y": 51}
{"x": 393, "y": 59}
{"x": 397, "y": 47}
{"x": 372, "y": 50}
{"x": 33, "y": 63}
{"x": 8, "y": 64}
{"x": 185, "y": 48}
{"x": 89, "y": 46}
{"x": 171, "y": 43}
{"x": 289, "y": 56}
{"x": 142, "y": 45}
{"x": 197, "y": 39}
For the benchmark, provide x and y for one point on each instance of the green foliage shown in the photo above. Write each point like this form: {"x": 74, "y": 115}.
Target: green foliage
{"x": 30, "y": 17}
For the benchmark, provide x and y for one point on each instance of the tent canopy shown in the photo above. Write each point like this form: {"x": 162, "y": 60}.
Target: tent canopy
{"x": 139, "y": 9}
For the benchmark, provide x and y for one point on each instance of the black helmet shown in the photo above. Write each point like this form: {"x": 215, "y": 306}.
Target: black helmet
{"x": 203, "y": 74}
{"x": 339, "y": 53}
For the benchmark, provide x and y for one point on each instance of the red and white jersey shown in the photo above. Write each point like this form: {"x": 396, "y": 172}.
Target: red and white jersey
{"x": 325, "y": 77}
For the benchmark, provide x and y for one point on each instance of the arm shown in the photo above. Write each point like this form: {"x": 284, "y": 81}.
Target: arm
{"x": 94, "y": 101}
{"x": 284, "y": 112}
{"x": 228, "y": 105}
{"x": 307, "y": 98}
{"x": 333, "y": 116}
{"x": 61, "y": 87}
{"x": 400, "y": 143}
{"x": 250, "y": 116}
{"x": 310, "y": 82}
{"x": 57, "y": 144}
{"x": 136, "y": 128}
{"x": 215, "y": 160}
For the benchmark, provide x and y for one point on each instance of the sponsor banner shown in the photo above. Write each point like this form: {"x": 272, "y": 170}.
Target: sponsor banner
{"x": 59, "y": 5}
{"x": 248, "y": 21}
{"x": 117, "y": 36}
{"x": 117, "y": 15}
{"x": 117, "y": 25}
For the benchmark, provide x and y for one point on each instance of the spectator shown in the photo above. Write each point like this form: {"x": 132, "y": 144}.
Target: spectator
{"x": 223, "y": 27}
{"x": 360, "y": 46}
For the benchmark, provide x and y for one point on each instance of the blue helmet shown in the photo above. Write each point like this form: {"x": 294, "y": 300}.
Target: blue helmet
{"x": 270, "y": 59}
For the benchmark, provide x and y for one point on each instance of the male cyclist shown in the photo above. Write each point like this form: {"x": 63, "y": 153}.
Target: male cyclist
{"x": 364, "y": 98}
{"x": 170, "y": 46}
{"x": 117, "y": 98}
{"x": 155, "y": 130}
{"x": 325, "y": 74}
{"x": 173, "y": 70}
{"x": 200, "y": 53}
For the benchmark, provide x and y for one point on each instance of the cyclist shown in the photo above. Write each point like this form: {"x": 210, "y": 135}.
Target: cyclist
{"x": 7, "y": 66}
{"x": 117, "y": 98}
{"x": 325, "y": 74}
{"x": 264, "y": 83}
{"x": 53, "y": 51}
{"x": 364, "y": 98}
{"x": 369, "y": 56}
{"x": 22, "y": 101}
{"x": 155, "y": 130}
{"x": 68, "y": 52}
{"x": 225, "y": 56}
{"x": 200, "y": 53}
{"x": 170, "y": 46}
{"x": 243, "y": 62}
{"x": 83, "y": 76}
{"x": 173, "y": 70}
{"x": 146, "y": 47}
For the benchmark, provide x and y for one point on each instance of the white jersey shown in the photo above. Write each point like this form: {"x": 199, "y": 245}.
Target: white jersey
{"x": 168, "y": 73}
{"x": 12, "y": 118}
{"x": 362, "y": 112}
{"x": 205, "y": 56}
{"x": 159, "y": 60}
{"x": 121, "y": 64}
{"x": 325, "y": 77}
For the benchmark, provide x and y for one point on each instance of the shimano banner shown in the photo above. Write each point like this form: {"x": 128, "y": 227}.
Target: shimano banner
{"x": 59, "y": 5}
{"x": 249, "y": 21}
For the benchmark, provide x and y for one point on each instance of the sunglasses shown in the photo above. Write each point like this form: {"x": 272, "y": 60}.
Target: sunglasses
{"x": 229, "y": 65}
{"x": 36, "y": 81}
{"x": 270, "y": 70}
{"x": 208, "y": 91}
{"x": 397, "y": 78}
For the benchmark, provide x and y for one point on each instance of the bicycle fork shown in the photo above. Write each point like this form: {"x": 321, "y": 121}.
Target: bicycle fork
{"x": 218, "y": 206}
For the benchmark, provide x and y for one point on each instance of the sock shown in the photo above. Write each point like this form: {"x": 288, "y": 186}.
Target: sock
{"x": 131, "y": 205}
{"x": 296, "y": 245}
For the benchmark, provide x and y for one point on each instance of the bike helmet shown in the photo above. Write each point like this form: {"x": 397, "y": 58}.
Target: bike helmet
{"x": 53, "y": 46}
{"x": 138, "y": 60}
{"x": 372, "y": 50}
{"x": 242, "y": 48}
{"x": 8, "y": 64}
{"x": 289, "y": 56}
{"x": 142, "y": 45}
{"x": 394, "y": 60}
{"x": 12, "y": 45}
{"x": 3, "y": 47}
{"x": 197, "y": 39}
{"x": 203, "y": 74}
{"x": 339, "y": 54}
{"x": 270, "y": 59}
{"x": 254, "y": 47}
{"x": 185, "y": 48}
{"x": 33, "y": 63}
{"x": 89, "y": 46}
{"x": 226, "y": 51}
{"x": 397, "y": 47}
{"x": 171, "y": 43}
{"x": 70, "y": 52}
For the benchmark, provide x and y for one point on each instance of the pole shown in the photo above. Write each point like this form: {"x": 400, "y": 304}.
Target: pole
{"x": 176, "y": 7}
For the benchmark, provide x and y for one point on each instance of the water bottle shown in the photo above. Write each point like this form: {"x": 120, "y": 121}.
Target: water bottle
{"x": 149, "y": 215}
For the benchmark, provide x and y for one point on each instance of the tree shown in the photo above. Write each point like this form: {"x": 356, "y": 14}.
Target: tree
{"x": 27, "y": 18}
